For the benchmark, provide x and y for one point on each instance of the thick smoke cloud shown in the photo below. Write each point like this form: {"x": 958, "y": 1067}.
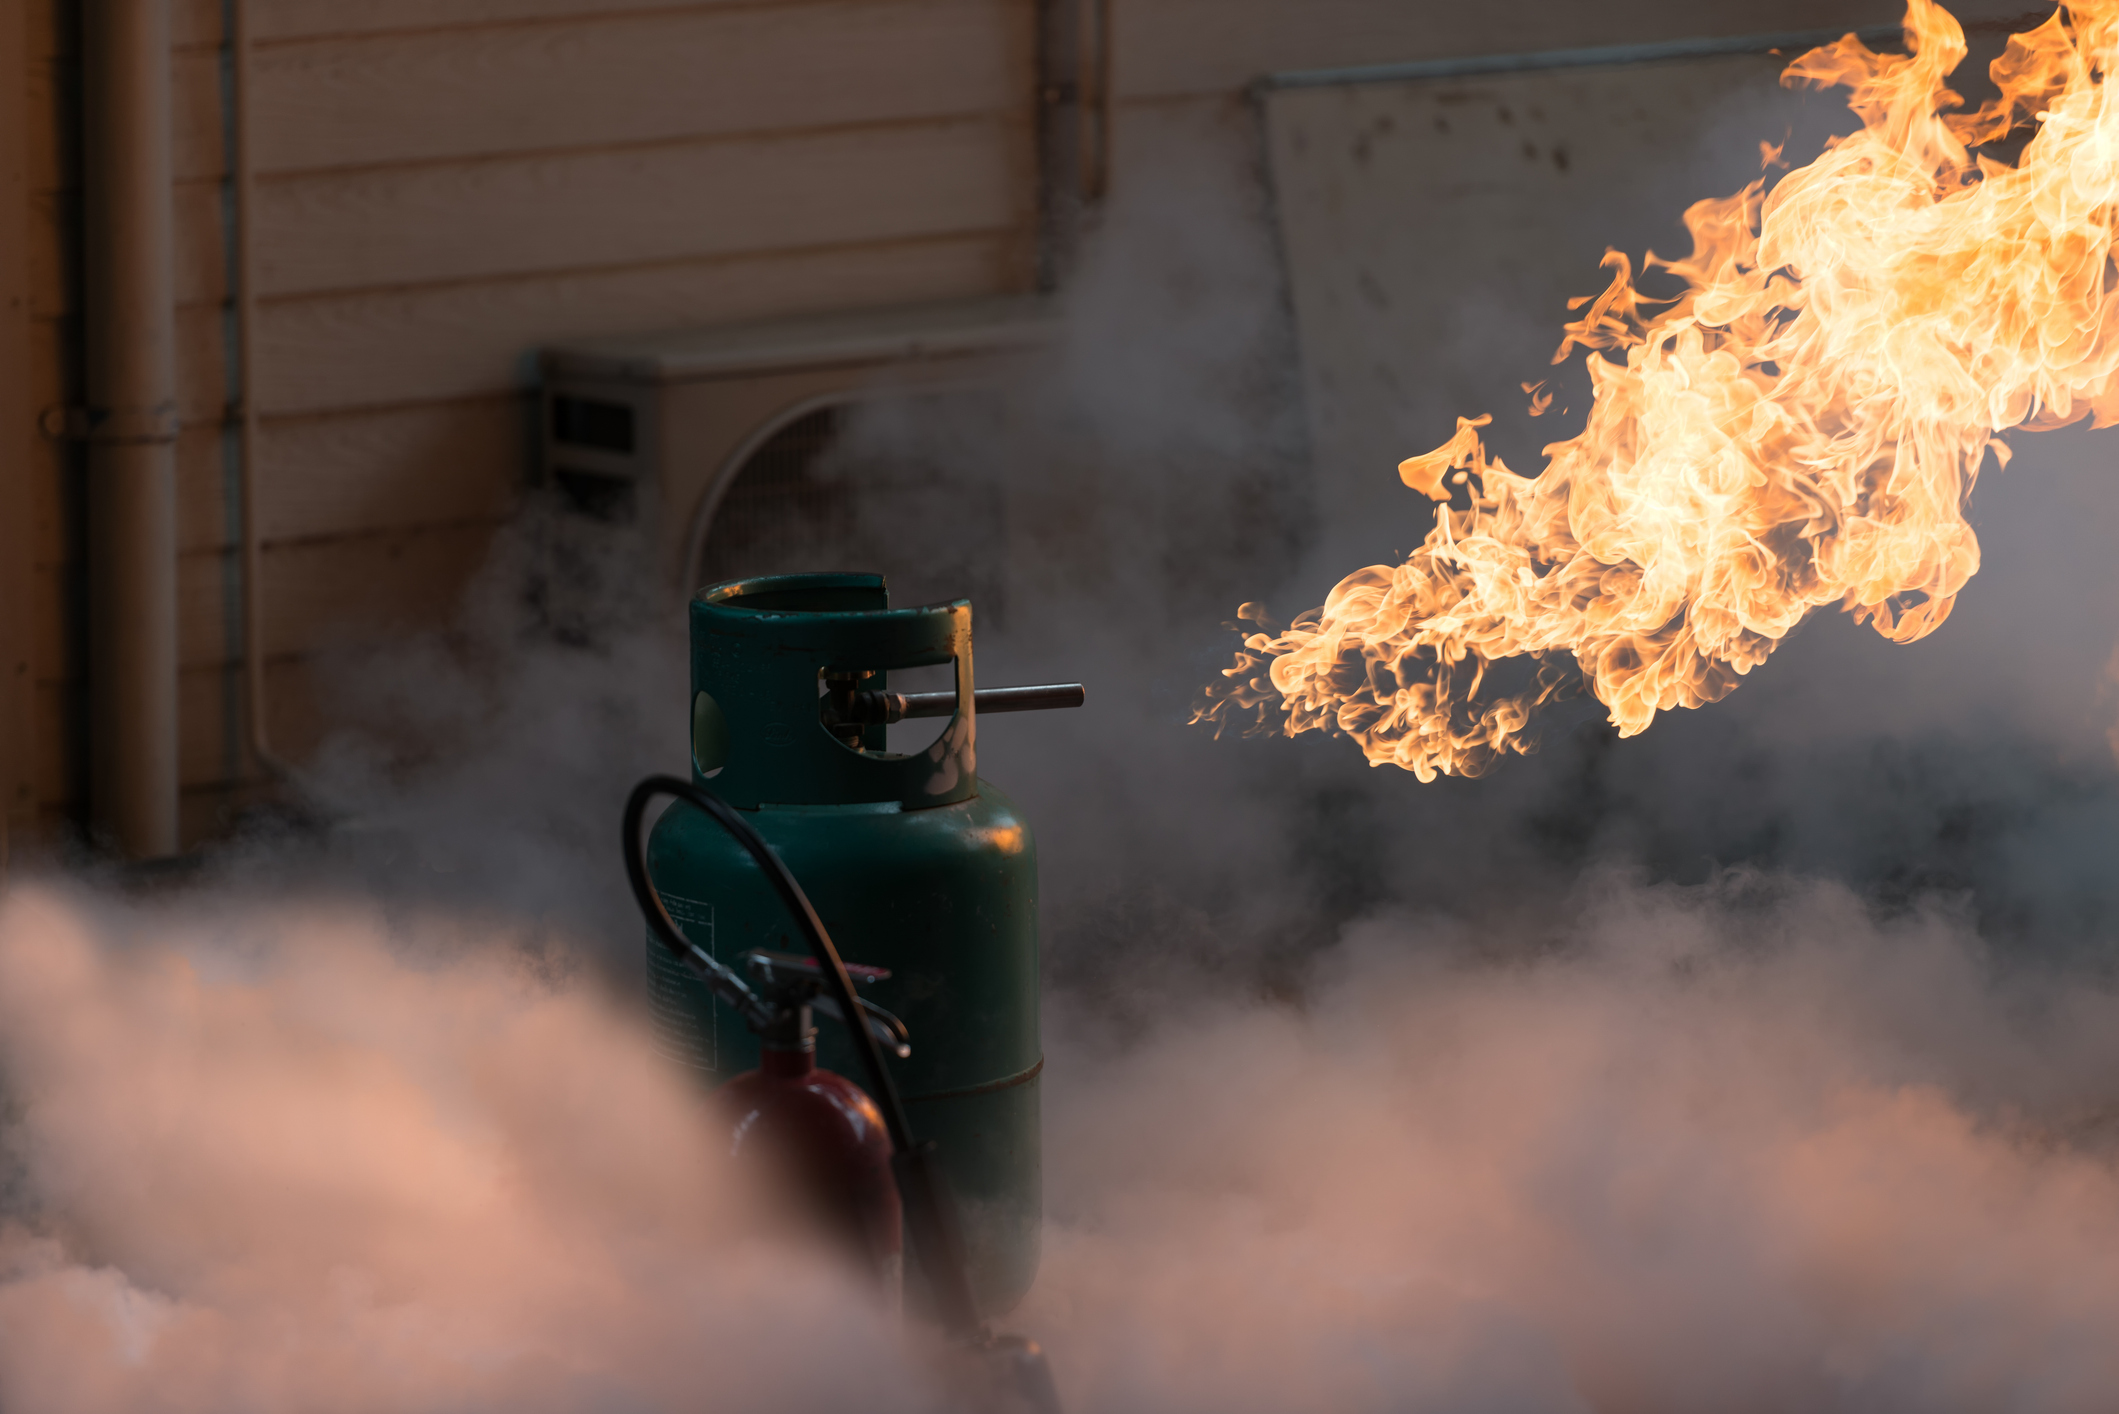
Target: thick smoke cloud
{"x": 1746, "y": 1145}
{"x": 273, "y": 1159}
{"x": 1750, "y": 1144}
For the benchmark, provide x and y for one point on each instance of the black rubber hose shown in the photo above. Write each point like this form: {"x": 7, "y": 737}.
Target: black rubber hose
{"x": 928, "y": 1213}
{"x": 783, "y": 882}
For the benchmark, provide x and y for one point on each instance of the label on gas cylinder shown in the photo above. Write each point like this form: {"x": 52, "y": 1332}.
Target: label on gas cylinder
{"x": 687, "y": 1023}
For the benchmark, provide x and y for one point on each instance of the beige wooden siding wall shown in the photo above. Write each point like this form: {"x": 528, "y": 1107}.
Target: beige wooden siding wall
{"x": 444, "y": 185}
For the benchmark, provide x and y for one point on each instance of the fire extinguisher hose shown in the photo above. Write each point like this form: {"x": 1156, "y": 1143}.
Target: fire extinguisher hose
{"x": 929, "y": 1214}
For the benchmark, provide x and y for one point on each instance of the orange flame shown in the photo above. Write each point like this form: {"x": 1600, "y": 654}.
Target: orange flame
{"x": 1800, "y": 428}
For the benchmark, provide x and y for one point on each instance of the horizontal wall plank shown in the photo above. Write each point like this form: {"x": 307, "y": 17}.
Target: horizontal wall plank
{"x": 633, "y": 78}
{"x": 318, "y": 593}
{"x": 197, "y": 23}
{"x": 54, "y": 25}
{"x": 392, "y": 469}
{"x": 207, "y": 718}
{"x": 353, "y": 473}
{"x": 465, "y": 341}
{"x": 294, "y": 19}
{"x": 321, "y": 595}
{"x": 202, "y": 725}
{"x": 428, "y": 346}
{"x": 624, "y": 79}
{"x": 354, "y": 351}
{"x": 294, "y": 722}
{"x": 203, "y": 757}
{"x": 682, "y": 202}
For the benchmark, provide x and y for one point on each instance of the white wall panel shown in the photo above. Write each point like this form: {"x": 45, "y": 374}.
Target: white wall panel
{"x": 1435, "y": 230}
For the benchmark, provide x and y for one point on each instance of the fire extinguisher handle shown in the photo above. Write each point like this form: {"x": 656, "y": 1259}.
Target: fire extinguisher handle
{"x": 890, "y": 1033}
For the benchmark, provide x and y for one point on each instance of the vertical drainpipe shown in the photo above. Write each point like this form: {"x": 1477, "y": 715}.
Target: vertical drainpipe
{"x": 1074, "y": 41}
{"x": 131, "y": 425}
{"x": 1059, "y": 155}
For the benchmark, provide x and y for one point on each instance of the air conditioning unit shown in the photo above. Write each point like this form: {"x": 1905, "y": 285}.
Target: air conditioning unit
{"x": 769, "y": 447}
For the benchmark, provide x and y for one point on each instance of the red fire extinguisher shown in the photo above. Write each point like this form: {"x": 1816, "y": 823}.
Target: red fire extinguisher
{"x": 816, "y": 1138}
{"x": 848, "y": 1156}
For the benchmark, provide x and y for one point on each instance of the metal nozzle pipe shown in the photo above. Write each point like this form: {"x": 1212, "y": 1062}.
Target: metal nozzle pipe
{"x": 874, "y": 707}
{"x": 989, "y": 699}
{"x": 897, "y": 707}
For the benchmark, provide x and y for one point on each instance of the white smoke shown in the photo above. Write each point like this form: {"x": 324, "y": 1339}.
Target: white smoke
{"x": 1746, "y": 1146}
{"x": 268, "y": 1159}
{"x": 1750, "y": 1145}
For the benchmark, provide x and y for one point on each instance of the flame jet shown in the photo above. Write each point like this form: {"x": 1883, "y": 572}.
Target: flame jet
{"x": 1800, "y": 428}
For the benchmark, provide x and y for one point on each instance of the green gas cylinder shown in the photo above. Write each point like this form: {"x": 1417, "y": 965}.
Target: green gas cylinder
{"x": 913, "y": 862}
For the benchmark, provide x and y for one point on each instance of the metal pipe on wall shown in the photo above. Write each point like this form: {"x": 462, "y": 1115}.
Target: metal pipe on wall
{"x": 243, "y": 175}
{"x": 131, "y": 424}
{"x": 1096, "y": 105}
{"x": 1058, "y": 99}
{"x": 18, "y": 744}
{"x": 1074, "y": 44}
